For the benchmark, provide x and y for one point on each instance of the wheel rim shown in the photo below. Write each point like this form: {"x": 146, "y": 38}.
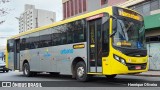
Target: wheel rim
{"x": 80, "y": 72}
{"x": 25, "y": 70}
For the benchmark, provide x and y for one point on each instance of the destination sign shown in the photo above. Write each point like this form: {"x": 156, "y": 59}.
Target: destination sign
{"x": 129, "y": 14}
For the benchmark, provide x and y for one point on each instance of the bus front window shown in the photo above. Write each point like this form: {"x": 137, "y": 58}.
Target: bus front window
{"x": 130, "y": 33}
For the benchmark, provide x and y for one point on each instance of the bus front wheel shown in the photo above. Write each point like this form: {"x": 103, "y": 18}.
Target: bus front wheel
{"x": 26, "y": 70}
{"x": 81, "y": 74}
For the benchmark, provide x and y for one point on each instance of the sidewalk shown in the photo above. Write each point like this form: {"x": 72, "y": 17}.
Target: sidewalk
{"x": 150, "y": 73}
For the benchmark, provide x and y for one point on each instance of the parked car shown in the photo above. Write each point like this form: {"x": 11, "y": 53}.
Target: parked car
{"x": 3, "y": 66}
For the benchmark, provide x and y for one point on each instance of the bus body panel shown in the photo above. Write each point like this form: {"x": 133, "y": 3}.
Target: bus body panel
{"x": 112, "y": 66}
{"x": 11, "y": 60}
{"x": 54, "y": 59}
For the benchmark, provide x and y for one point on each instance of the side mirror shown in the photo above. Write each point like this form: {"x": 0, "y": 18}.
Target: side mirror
{"x": 113, "y": 34}
{"x": 113, "y": 17}
{"x": 150, "y": 56}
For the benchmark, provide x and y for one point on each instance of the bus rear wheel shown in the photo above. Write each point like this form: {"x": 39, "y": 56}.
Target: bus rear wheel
{"x": 81, "y": 74}
{"x": 110, "y": 76}
{"x": 26, "y": 70}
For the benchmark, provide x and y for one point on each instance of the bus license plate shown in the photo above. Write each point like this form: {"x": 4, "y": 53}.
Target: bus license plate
{"x": 138, "y": 67}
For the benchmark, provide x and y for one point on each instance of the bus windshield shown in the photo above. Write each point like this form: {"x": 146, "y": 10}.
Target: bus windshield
{"x": 130, "y": 33}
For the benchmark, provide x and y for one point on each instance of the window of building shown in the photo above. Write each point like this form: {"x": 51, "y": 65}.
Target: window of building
{"x": 154, "y": 4}
{"x": 146, "y": 9}
{"x": 68, "y": 9}
{"x": 84, "y": 5}
{"x": 64, "y": 10}
{"x": 104, "y": 2}
{"x": 80, "y": 6}
{"x": 153, "y": 39}
{"x": 76, "y": 8}
{"x": 72, "y": 12}
{"x": 139, "y": 8}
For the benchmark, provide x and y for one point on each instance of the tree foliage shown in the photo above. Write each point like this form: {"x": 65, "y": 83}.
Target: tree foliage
{"x": 3, "y": 10}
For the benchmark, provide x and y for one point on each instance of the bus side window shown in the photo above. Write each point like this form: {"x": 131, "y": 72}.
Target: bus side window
{"x": 63, "y": 34}
{"x": 79, "y": 31}
{"x": 56, "y": 40}
{"x": 22, "y": 44}
{"x": 45, "y": 38}
{"x": 70, "y": 28}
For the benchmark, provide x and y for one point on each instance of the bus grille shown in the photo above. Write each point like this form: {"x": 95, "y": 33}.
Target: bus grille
{"x": 133, "y": 66}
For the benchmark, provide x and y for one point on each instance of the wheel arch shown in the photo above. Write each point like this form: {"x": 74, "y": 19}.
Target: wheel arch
{"x": 25, "y": 61}
{"x": 73, "y": 65}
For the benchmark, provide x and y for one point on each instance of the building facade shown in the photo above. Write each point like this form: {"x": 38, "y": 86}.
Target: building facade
{"x": 73, "y": 8}
{"x": 34, "y": 18}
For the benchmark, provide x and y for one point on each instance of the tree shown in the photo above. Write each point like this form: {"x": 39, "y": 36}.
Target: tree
{"x": 3, "y": 10}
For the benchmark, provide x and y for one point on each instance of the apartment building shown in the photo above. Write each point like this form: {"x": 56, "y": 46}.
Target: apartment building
{"x": 33, "y": 18}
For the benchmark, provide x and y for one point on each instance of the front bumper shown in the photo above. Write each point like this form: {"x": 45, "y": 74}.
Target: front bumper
{"x": 130, "y": 68}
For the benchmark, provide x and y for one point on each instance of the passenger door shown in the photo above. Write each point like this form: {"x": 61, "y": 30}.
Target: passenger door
{"x": 98, "y": 41}
{"x": 17, "y": 54}
{"x": 95, "y": 45}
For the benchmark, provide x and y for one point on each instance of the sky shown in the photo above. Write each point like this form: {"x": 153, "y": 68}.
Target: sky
{"x": 15, "y": 7}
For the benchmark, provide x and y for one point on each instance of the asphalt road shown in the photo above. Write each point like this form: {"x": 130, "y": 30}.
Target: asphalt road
{"x": 97, "y": 82}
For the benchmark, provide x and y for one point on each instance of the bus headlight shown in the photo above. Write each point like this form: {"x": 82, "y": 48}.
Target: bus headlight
{"x": 121, "y": 60}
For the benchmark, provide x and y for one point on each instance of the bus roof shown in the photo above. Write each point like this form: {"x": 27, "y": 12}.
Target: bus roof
{"x": 66, "y": 21}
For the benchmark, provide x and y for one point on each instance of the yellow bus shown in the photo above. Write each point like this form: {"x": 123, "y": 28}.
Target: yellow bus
{"x": 109, "y": 41}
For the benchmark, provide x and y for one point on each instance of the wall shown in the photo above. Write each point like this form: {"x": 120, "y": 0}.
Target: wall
{"x": 45, "y": 17}
{"x": 34, "y": 18}
{"x": 93, "y": 5}
{"x": 114, "y": 2}
{"x": 154, "y": 52}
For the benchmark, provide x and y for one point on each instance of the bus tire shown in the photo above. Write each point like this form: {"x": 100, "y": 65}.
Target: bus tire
{"x": 81, "y": 74}
{"x": 26, "y": 70}
{"x": 110, "y": 76}
{"x": 7, "y": 71}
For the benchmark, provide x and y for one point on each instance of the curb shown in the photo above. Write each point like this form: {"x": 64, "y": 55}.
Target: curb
{"x": 148, "y": 75}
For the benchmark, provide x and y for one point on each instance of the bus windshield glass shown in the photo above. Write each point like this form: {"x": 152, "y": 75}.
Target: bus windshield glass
{"x": 129, "y": 33}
